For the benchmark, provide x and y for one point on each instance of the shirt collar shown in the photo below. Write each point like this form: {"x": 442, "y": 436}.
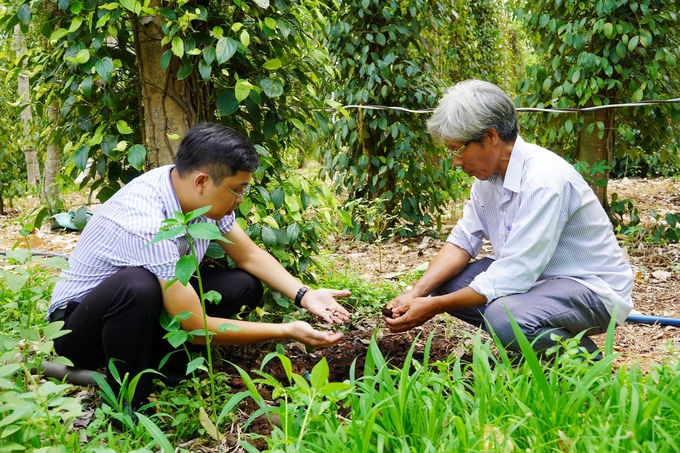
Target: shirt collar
{"x": 513, "y": 174}
{"x": 169, "y": 194}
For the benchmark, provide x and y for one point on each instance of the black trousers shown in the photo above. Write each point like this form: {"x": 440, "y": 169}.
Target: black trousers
{"x": 118, "y": 320}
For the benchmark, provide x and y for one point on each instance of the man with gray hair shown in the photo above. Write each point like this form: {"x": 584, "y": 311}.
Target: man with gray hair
{"x": 556, "y": 268}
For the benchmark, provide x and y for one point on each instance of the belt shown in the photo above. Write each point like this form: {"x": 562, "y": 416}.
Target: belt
{"x": 58, "y": 314}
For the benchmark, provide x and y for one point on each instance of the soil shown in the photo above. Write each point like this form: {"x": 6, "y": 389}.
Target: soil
{"x": 656, "y": 293}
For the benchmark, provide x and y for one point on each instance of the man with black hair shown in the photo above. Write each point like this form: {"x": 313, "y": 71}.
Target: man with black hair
{"x": 112, "y": 295}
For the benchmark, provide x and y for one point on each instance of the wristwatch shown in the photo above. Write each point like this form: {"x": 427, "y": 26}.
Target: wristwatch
{"x": 301, "y": 292}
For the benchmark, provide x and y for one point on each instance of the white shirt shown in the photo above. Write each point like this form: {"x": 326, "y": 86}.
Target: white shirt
{"x": 113, "y": 238}
{"x": 544, "y": 222}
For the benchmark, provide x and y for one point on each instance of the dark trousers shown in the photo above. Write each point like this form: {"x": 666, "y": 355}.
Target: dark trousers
{"x": 118, "y": 320}
{"x": 559, "y": 307}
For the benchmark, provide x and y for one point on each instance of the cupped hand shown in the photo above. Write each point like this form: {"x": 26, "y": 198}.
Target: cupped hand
{"x": 309, "y": 336}
{"x": 322, "y": 303}
{"x": 409, "y": 312}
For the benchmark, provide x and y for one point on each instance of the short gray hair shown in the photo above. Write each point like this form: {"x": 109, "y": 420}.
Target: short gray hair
{"x": 470, "y": 108}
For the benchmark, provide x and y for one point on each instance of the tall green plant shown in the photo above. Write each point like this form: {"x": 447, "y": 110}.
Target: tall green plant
{"x": 598, "y": 53}
{"x": 381, "y": 54}
{"x": 186, "y": 267}
{"x": 111, "y": 65}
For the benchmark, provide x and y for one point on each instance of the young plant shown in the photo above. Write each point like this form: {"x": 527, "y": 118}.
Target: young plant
{"x": 371, "y": 216}
{"x": 120, "y": 407}
{"x": 185, "y": 268}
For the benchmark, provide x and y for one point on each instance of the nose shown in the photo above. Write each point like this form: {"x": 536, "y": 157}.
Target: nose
{"x": 457, "y": 161}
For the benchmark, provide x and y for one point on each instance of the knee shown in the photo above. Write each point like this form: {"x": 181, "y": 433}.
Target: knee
{"x": 253, "y": 291}
{"x": 497, "y": 322}
{"x": 141, "y": 289}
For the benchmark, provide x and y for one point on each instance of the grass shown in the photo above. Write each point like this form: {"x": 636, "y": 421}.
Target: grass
{"x": 488, "y": 404}
{"x": 573, "y": 405}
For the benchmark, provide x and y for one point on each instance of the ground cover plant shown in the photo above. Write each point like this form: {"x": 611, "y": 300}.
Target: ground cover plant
{"x": 441, "y": 387}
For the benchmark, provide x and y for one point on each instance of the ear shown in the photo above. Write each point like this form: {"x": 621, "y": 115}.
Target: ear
{"x": 200, "y": 181}
{"x": 493, "y": 136}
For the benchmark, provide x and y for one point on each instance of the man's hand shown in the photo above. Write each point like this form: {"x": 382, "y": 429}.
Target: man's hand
{"x": 309, "y": 336}
{"x": 322, "y": 303}
{"x": 409, "y": 312}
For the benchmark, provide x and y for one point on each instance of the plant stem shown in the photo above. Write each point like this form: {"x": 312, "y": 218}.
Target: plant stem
{"x": 205, "y": 327}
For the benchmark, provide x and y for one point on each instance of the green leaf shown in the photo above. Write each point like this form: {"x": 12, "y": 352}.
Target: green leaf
{"x": 155, "y": 432}
{"x": 270, "y": 23}
{"x": 76, "y": 22}
{"x": 86, "y": 86}
{"x": 83, "y": 56}
{"x": 56, "y": 262}
{"x": 131, "y": 5}
{"x": 177, "y": 338}
{"x": 632, "y": 44}
{"x": 268, "y": 236}
{"x": 165, "y": 59}
{"x": 137, "y": 156}
{"x": 80, "y": 218}
{"x": 205, "y": 230}
{"x": 53, "y": 330}
{"x": 227, "y": 103}
{"x": 278, "y": 197}
{"x": 271, "y": 87}
{"x": 293, "y": 231}
{"x": 184, "y": 72}
{"x": 9, "y": 369}
{"x": 16, "y": 282}
{"x": 319, "y": 374}
{"x": 608, "y": 29}
{"x": 178, "y": 46}
{"x": 204, "y": 69}
{"x": 24, "y": 13}
{"x": 163, "y": 235}
{"x": 245, "y": 38}
{"x": 226, "y": 48}
{"x": 228, "y": 327}
{"x": 123, "y": 127}
{"x": 81, "y": 156}
{"x": 168, "y": 13}
{"x": 194, "y": 364}
{"x": 272, "y": 65}
{"x": 185, "y": 268}
{"x": 245, "y": 207}
{"x": 104, "y": 68}
{"x": 209, "y": 54}
{"x": 621, "y": 49}
{"x": 242, "y": 89}
{"x": 196, "y": 213}
{"x": 76, "y": 7}
{"x": 638, "y": 95}
{"x": 58, "y": 34}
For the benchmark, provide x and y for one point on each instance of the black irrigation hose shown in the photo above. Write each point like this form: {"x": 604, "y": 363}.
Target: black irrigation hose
{"x": 38, "y": 253}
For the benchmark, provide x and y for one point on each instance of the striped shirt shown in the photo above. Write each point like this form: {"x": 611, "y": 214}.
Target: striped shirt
{"x": 114, "y": 237}
{"x": 544, "y": 222}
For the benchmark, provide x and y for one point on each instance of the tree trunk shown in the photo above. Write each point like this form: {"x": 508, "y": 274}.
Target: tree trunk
{"x": 169, "y": 104}
{"x": 30, "y": 154}
{"x": 594, "y": 149}
{"x": 51, "y": 190}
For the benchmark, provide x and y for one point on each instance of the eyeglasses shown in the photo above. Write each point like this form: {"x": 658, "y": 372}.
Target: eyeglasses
{"x": 458, "y": 152}
{"x": 240, "y": 195}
